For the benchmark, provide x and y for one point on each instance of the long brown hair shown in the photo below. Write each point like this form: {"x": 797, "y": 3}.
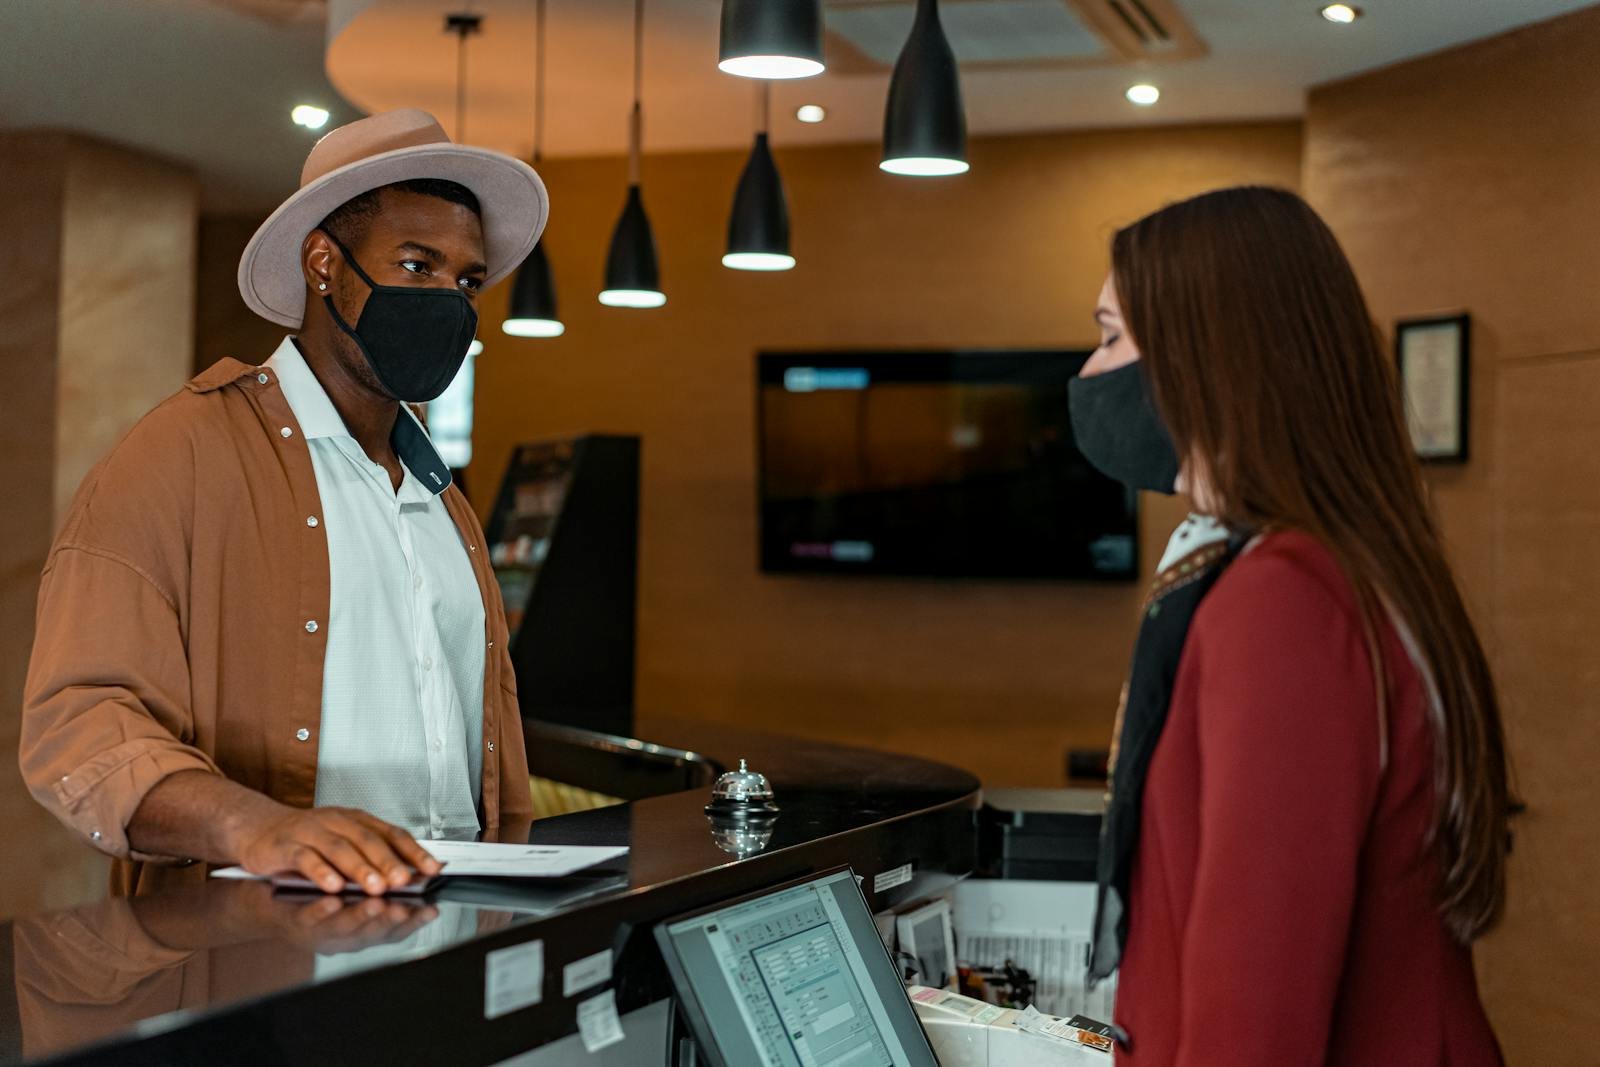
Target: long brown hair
{"x": 1266, "y": 367}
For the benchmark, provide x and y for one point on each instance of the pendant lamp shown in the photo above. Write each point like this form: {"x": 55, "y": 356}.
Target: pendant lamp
{"x": 774, "y": 39}
{"x": 925, "y": 125}
{"x": 758, "y": 229}
{"x": 533, "y": 294}
{"x": 632, "y": 277}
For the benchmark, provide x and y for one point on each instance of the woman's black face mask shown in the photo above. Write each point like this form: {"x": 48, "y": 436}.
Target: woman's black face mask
{"x": 1117, "y": 429}
{"x": 414, "y": 339}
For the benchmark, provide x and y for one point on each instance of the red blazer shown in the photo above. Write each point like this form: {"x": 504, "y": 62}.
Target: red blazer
{"x": 1282, "y": 903}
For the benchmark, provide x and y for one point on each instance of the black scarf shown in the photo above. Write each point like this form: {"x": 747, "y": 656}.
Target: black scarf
{"x": 1168, "y": 610}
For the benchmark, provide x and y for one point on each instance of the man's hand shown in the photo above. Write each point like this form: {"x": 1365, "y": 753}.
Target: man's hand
{"x": 205, "y": 816}
{"x": 331, "y": 846}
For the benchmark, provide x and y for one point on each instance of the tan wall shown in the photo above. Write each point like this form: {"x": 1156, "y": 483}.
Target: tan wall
{"x": 95, "y": 329}
{"x": 224, "y": 326}
{"x": 998, "y": 677}
{"x": 1468, "y": 181}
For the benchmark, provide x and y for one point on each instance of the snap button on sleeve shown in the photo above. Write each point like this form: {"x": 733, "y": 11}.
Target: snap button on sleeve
{"x": 311, "y": 521}
{"x": 311, "y": 626}
{"x": 302, "y": 734}
{"x": 262, "y": 378}
{"x": 286, "y": 432}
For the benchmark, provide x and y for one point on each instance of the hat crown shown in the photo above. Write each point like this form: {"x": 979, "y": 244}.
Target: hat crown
{"x": 404, "y": 128}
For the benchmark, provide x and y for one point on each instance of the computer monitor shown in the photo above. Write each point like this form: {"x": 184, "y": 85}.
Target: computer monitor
{"x": 793, "y": 976}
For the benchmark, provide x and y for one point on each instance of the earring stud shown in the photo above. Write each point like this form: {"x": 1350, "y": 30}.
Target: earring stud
{"x": 322, "y": 286}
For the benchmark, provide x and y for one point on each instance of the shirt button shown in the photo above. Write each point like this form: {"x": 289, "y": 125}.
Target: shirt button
{"x": 427, "y": 663}
{"x": 311, "y": 626}
{"x": 416, "y": 583}
{"x": 491, "y": 746}
{"x": 311, "y": 521}
{"x": 302, "y": 734}
{"x": 438, "y": 745}
{"x": 286, "y": 432}
{"x": 262, "y": 378}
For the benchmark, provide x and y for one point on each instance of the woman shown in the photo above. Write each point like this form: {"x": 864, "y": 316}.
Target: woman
{"x": 1309, "y": 802}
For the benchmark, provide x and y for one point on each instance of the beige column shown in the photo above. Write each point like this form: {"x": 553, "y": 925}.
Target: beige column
{"x": 96, "y": 328}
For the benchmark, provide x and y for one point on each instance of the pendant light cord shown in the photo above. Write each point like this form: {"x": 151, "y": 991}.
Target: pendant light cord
{"x": 764, "y": 106}
{"x": 461, "y": 85}
{"x": 538, "y": 85}
{"x": 462, "y": 24}
{"x": 636, "y": 127}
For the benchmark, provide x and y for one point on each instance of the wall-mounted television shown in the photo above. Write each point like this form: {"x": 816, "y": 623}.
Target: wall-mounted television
{"x": 938, "y": 463}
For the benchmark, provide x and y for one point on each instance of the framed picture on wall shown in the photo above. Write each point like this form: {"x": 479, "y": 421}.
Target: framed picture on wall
{"x": 1435, "y": 357}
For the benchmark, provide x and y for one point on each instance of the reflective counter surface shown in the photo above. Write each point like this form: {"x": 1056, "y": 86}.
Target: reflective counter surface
{"x": 219, "y": 971}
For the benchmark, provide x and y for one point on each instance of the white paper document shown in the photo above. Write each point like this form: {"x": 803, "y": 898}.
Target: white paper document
{"x": 484, "y": 859}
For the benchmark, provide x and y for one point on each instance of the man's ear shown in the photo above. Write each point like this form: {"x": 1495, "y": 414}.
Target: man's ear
{"x": 316, "y": 261}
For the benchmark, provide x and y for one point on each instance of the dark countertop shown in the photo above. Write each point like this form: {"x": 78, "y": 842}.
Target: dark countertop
{"x": 230, "y": 972}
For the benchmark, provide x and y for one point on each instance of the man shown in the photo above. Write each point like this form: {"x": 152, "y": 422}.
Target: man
{"x": 268, "y": 632}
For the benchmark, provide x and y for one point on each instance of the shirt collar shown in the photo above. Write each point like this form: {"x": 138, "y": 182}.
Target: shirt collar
{"x": 317, "y": 417}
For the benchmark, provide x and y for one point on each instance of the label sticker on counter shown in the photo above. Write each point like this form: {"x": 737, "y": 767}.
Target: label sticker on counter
{"x": 586, "y": 973}
{"x": 892, "y": 877}
{"x": 513, "y": 978}
{"x": 598, "y": 1022}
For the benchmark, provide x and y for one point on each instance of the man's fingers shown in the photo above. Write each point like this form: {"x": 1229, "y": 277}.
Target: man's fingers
{"x": 378, "y": 850}
{"x": 405, "y": 846}
{"x": 309, "y": 862}
{"x": 344, "y": 855}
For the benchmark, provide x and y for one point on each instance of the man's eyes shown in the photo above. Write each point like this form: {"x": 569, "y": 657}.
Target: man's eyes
{"x": 416, "y": 266}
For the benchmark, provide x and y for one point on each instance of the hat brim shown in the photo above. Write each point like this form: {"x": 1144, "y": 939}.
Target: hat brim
{"x": 513, "y": 198}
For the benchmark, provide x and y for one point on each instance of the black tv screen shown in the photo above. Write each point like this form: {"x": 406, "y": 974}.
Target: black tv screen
{"x": 955, "y": 464}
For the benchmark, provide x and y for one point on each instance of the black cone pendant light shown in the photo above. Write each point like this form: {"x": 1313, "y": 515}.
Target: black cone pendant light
{"x": 533, "y": 299}
{"x": 758, "y": 229}
{"x": 533, "y": 294}
{"x": 925, "y": 125}
{"x": 771, "y": 38}
{"x": 632, "y": 277}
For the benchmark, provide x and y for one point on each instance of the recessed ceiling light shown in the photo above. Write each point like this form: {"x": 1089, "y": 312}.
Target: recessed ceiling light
{"x": 1143, "y": 95}
{"x": 1341, "y": 13}
{"x": 312, "y": 118}
{"x": 811, "y": 113}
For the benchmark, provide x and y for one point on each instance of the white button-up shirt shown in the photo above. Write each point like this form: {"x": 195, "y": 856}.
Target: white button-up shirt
{"x": 402, "y": 682}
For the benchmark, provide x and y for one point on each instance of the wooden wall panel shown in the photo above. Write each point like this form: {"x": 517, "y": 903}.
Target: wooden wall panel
{"x": 1546, "y": 524}
{"x": 1466, "y": 180}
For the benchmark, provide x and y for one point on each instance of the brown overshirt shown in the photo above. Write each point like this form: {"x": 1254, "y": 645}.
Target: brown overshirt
{"x": 175, "y": 623}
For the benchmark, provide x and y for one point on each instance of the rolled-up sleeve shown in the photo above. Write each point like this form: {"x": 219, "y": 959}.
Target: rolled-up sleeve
{"x": 106, "y": 711}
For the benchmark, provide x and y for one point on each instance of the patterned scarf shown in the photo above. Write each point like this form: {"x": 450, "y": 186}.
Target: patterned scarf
{"x": 1199, "y": 552}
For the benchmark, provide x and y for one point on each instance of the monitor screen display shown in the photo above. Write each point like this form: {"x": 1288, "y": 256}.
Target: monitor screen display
{"x": 956, "y": 463}
{"x": 793, "y": 977}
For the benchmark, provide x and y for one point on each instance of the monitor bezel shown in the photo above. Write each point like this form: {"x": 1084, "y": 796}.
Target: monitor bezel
{"x": 689, "y": 1001}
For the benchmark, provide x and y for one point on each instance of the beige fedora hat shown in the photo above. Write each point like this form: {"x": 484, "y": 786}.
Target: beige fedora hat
{"x": 393, "y": 146}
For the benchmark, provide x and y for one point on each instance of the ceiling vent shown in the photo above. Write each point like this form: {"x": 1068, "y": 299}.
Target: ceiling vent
{"x": 865, "y": 36}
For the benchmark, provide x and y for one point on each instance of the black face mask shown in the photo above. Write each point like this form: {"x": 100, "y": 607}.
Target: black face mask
{"x": 414, "y": 339}
{"x": 1117, "y": 429}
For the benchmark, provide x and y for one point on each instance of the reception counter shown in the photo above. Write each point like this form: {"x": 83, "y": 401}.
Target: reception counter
{"x": 229, "y": 972}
